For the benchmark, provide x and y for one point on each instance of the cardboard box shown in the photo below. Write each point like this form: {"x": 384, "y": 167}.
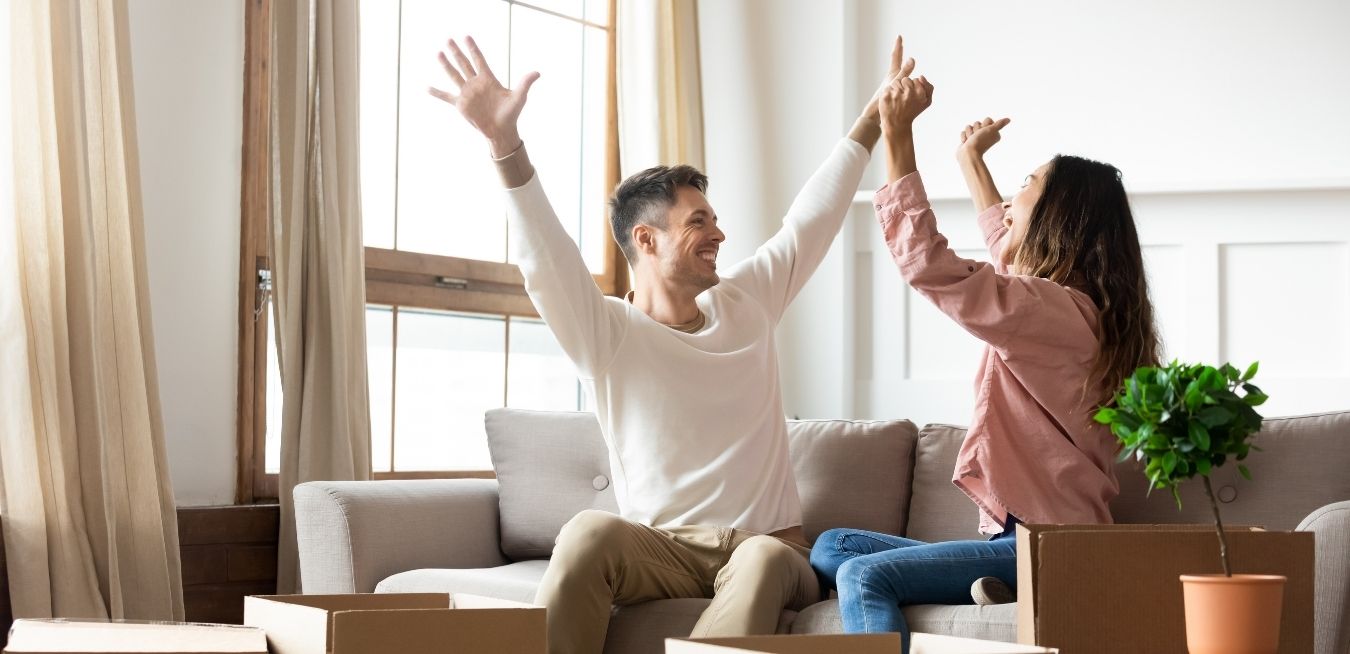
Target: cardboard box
{"x": 850, "y": 644}
{"x": 132, "y": 637}
{"x": 1100, "y": 589}
{"x": 410, "y": 623}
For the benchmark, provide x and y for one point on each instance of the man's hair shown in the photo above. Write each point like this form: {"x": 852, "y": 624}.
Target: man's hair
{"x": 645, "y": 198}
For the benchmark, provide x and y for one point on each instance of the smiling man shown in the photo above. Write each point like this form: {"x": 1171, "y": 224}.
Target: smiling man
{"x": 684, "y": 375}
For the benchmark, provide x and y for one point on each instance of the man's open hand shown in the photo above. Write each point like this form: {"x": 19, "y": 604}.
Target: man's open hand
{"x": 490, "y": 107}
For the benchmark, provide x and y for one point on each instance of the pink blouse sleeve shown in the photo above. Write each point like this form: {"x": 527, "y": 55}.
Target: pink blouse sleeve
{"x": 985, "y": 301}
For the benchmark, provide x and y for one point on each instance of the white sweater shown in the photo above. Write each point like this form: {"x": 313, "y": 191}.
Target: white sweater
{"x": 694, "y": 422}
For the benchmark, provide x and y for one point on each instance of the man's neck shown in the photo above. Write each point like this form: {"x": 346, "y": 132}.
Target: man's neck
{"x": 664, "y": 303}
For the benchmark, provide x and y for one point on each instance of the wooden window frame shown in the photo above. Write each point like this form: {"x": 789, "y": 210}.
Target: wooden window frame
{"x": 395, "y": 278}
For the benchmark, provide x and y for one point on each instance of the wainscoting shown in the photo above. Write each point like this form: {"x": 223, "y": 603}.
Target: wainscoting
{"x": 228, "y": 552}
{"x": 1236, "y": 275}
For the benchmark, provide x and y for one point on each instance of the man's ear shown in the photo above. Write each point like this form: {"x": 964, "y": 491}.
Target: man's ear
{"x": 643, "y": 238}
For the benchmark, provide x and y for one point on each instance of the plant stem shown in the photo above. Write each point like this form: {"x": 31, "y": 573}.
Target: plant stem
{"x": 1218, "y": 525}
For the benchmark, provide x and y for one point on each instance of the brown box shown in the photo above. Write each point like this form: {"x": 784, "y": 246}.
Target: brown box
{"x": 850, "y": 644}
{"x": 1098, "y": 589}
{"x": 132, "y": 637}
{"x": 408, "y": 623}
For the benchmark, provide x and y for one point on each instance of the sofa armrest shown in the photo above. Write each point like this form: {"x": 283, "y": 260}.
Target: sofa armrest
{"x": 1331, "y": 613}
{"x": 353, "y": 534}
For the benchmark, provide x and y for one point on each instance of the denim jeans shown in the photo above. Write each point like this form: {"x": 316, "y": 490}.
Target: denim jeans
{"x": 876, "y": 574}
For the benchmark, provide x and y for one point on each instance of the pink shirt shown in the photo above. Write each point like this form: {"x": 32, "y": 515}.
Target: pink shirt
{"x": 1032, "y": 449}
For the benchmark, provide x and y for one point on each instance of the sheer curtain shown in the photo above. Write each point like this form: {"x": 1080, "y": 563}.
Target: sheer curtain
{"x": 660, "y": 98}
{"x": 317, "y": 254}
{"x": 88, "y": 512}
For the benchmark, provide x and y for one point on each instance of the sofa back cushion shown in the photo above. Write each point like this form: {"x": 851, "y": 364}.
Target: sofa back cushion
{"x": 1301, "y": 468}
{"x": 938, "y": 510}
{"x": 551, "y": 465}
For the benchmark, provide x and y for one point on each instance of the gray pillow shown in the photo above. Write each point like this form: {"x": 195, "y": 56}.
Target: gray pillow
{"x": 939, "y": 511}
{"x": 550, "y": 466}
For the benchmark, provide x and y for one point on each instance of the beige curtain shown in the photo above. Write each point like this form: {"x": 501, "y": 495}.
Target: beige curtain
{"x": 89, "y": 518}
{"x": 660, "y": 100}
{"x": 317, "y": 254}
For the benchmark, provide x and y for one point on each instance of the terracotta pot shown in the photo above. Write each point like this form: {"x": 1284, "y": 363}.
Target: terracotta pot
{"x": 1233, "y": 615}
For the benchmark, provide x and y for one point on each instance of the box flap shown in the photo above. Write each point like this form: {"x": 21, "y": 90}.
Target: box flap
{"x": 467, "y": 601}
{"x": 795, "y": 644}
{"x": 440, "y": 631}
{"x": 938, "y": 644}
{"x": 291, "y": 628}
{"x": 133, "y": 637}
{"x": 365, "y": 601}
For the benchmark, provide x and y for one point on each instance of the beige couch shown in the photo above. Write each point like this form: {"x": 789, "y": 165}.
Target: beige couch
{"x": 493, "y": 537}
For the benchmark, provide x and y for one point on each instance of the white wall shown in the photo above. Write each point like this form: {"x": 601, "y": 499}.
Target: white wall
{"x": 1220, "y": 114}
{"x": 187, "y": 68}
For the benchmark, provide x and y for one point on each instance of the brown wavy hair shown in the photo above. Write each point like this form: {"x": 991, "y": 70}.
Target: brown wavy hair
{"x": 1081, "y": 234}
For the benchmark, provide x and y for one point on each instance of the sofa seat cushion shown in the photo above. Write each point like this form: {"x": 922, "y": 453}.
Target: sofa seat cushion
{"x": 516, "y": 581}
{"x": 997, "y": 622}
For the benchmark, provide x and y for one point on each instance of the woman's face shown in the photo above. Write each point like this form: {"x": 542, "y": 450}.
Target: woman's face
{"x": 1017, "y": 212}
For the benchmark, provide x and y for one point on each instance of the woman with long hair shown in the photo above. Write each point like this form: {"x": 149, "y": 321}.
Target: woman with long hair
{"x": 1065, "y": 315}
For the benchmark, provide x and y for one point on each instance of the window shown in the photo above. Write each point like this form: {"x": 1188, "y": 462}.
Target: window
{"x": 450, "y": 331}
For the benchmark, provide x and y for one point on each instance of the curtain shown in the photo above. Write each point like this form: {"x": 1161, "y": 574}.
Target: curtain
{"x": 660, "y": 101}
{"x": 88, "y": 511}
{"x": 317, "y": 254}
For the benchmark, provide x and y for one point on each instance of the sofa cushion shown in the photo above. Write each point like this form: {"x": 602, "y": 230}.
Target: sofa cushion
{"x": 515, "y": 581}
{"x": 938, "y": 510}
{"x": 552, "y": 465}
{"x": 997, "y": 622}
{"x": 1301, "y": 468}
{"x": 852, "y": 473}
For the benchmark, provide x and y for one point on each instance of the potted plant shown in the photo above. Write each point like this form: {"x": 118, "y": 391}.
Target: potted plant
{"x": 1184, "y": 420}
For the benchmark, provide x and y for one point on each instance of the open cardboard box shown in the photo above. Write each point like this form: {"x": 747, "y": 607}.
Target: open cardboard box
{"x": 132, "y": 637}
{"x": 850, "y": 644}
{"x": 408, "y": 623}
{"x": 1099, "y": 589}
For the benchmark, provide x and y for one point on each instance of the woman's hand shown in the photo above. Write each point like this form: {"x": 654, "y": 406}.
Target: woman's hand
{"x": 902, "y": 101}
{"x": 490, "y": 107}
{"x": 979, "y": 136}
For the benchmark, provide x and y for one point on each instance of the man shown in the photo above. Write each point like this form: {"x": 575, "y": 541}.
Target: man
{"x": 684, "y": 375}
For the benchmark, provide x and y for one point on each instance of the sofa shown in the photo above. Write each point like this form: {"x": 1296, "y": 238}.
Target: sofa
{"x": 494, "y": 536}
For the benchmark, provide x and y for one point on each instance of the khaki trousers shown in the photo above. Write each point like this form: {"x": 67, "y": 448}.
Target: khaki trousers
{"x": 602, "y": 560}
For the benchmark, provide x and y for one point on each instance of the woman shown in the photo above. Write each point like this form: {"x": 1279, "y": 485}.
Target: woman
{"x": 1065, "y": 316}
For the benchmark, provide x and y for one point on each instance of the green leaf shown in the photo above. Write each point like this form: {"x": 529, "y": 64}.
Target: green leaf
{"x": 1251, "y": 371}
{"x": 1229, "y": 371}
{"x": 1246, "y": 474}
{"x": 1203, "y": 467}
{"x": 1176, "y": 494}
{"x": 1169, "y": 463}
{"x": 1199, "y": 435}
{"x": 1105, "y": 416}
{"x": 1215, "y": 416}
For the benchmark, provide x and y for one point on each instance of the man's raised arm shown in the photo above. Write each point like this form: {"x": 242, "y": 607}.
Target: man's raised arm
{"x": 556, "y": 276}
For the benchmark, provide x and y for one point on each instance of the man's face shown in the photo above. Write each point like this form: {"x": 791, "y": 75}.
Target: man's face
{"x": 686, "y": 249}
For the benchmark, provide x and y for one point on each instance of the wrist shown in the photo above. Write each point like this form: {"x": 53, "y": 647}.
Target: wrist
{"x": 968, "y": 153}
{"x": 504, "y": 142}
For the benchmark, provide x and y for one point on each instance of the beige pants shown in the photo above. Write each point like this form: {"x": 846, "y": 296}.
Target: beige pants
{"x": 602, "y": 560}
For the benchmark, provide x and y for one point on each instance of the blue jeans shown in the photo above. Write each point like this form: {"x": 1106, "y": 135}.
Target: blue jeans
{"x": 876, "y": 574}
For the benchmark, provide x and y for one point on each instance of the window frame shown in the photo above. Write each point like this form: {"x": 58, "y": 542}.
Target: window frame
{"x": 395, "y": 278}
